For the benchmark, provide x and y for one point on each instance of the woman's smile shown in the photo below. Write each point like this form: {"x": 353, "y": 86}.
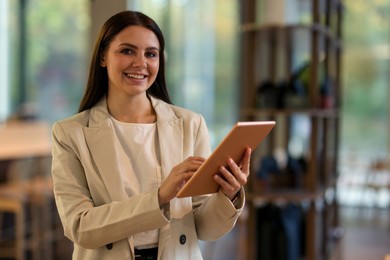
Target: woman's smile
{"x": 135, "y": 76}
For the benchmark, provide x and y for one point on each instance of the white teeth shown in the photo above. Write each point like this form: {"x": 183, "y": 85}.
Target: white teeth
{"x": 136, "y": 76}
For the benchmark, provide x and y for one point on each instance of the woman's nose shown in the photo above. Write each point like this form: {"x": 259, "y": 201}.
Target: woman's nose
{"x": 140, "y": 62}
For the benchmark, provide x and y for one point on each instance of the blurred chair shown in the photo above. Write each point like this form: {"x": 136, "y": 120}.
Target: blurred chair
{"x": 30, "y": 230}
{"x": 12, "y": 248}
{"x": 377, "y": 180}
{"x": 25, "y": 191}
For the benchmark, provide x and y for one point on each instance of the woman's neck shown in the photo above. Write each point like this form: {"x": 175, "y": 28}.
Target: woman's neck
{"x": 132, "y": 110}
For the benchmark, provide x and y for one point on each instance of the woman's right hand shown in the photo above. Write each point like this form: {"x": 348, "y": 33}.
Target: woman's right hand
{"x": 177, "y": 178}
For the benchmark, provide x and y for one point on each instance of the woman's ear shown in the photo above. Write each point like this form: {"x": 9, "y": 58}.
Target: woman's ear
{"x": 102, "y": 59}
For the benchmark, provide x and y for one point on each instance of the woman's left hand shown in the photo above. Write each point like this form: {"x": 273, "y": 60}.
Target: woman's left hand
{"x": 233, "y": 177}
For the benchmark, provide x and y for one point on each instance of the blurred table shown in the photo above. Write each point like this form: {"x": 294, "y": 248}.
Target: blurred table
{"x": 24, "y": 139}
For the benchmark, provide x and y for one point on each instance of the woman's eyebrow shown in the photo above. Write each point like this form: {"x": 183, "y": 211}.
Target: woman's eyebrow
{"x": 136, "y": 47}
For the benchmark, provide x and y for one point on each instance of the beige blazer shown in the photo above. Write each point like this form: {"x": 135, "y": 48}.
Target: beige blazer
{"x": 96, "y": 212}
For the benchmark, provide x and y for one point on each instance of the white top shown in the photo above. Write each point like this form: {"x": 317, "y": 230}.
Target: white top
{"x": 140, "y": 145}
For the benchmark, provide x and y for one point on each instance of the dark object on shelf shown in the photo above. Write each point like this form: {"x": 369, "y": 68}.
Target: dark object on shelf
{"x": 327, "y": 100}
{"x": 269, "y": 95}
{"x": 280, "y": 232}
{"x": 284, "y": 94}
{"x": 276, "y": 175}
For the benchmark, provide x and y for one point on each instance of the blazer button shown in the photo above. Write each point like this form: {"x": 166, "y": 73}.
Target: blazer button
{"x": 183, "y": 239}
{"x": 109, "y": 246}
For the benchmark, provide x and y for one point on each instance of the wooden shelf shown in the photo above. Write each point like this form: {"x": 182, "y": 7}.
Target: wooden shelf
{"x": 316, "y": 27}
{"x": 283, "y": 197}
{"x": 271, "y": 54}
{"x": 258, "y": 112}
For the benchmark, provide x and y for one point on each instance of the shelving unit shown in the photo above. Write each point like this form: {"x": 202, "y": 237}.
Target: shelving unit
{"x": 291, "y": 74}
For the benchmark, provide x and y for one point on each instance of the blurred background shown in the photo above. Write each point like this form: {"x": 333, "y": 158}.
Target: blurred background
{"x": 45, "y": 48}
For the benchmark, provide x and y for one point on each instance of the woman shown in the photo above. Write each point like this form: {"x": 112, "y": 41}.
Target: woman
{"x": 119, "y": 163}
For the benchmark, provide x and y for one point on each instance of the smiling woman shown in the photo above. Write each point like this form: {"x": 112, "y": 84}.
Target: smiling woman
{"x": 119, "y": 163}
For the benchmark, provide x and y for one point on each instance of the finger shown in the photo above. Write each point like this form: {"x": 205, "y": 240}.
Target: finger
{"x": 195, "y": 159}
{"x": 188, "y": 166}
{"x": 235, "y": 169}
{"x": 224, "y": 184}
{"x": 184, "y": 178}
{"x": 239, "y": 174}
{"x": 228, "y": 177}
{"x": 246, "y": 161}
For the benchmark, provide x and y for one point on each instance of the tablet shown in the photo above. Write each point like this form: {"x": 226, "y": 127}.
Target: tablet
{"x": 242, "y": 135}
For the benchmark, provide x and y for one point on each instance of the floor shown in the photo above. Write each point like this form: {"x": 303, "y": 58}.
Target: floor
{"x": 363, "y": 190}
{"x": 366, "y": 236}
{"x": 367, "y": 233}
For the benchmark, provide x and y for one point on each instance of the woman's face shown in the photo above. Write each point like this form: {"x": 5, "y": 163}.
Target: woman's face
{"x": 132, "y": 61}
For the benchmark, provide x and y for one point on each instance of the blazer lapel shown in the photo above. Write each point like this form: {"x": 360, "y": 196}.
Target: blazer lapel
{"x": 170, "y": 135}
{"x": 99, "y": 138}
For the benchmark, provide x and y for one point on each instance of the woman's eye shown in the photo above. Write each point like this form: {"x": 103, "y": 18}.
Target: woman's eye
{"x": 151, "y": 54}
{"x": 127, "y": 51}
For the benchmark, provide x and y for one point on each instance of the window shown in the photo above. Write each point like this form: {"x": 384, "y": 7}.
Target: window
{"x": 202, "y": 46}
{"x": 365, "y": 111}
{"x": 57, "y": 53}
{"x": 4, "y": 107}
{"x": 47, "y": 57}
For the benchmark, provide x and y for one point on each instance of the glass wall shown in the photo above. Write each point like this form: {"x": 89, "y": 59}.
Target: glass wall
{"x": 366, "y": 78}
{"x": 9, "y": 53}
{"x": 4, "y": 107}
{"x": 47, "y": 57}
{"x": 57, "y": 53}
{"x": 202, "y": 56}
{"x": 365, "y": 127}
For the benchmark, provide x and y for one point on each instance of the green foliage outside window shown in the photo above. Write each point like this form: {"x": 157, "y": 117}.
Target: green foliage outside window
{"x": 366, "y": 78}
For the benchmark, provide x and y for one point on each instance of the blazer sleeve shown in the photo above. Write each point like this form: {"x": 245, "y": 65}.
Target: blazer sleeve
{"x": 217, "y": 215}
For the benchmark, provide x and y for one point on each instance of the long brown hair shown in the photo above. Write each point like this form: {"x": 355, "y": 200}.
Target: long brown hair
{"x": 97, "y": 84}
